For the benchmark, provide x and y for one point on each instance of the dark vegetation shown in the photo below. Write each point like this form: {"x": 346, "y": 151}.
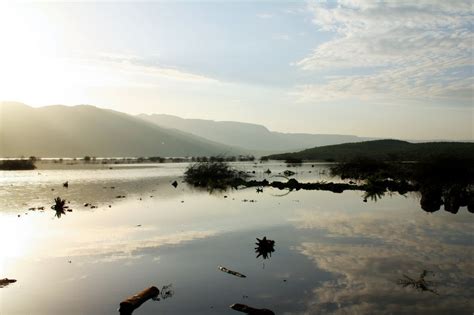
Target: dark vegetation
{"x": 440, "y": 180}
{"x": 213, "y": 175}
{"x": 59, "y": 206}
{"x": 293, "y": 162}
{"x": 17, "y": 165}
{"x": 385, "y": 150}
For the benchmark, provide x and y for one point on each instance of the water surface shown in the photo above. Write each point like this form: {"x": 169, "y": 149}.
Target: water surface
{"x": 334, "y": 254}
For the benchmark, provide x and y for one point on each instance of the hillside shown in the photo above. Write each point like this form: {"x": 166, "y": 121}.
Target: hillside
{"x": 382, "y": 149}
{"x": 249, "y": 136}
{"x": 63, "y": 131}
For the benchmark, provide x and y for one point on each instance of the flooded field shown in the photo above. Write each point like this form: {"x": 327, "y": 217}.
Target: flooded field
{"x": 333, "y": 253}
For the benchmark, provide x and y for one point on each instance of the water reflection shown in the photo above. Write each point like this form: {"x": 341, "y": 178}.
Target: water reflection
{"x": 419, "y": 284}
{"x": 336, "y": 254}
{"x": 369, "y": 251}
{"x": 264, "y": 248}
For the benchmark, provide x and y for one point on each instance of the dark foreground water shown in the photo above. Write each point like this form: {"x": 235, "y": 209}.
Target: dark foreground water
{"x": 334, "y": 254}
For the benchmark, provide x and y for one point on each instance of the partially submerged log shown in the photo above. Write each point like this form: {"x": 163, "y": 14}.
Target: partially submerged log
{"x": 231, "y": 272}
{"x": 132, "y": 303}
{"x": 5, "y": 281}
{"x": 250, "y": 310}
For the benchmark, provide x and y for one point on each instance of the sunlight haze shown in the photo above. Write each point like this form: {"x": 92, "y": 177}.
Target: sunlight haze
{"x": 379, "y": 69}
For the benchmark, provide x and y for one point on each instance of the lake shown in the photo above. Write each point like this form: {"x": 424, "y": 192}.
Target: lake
{"x": 333, "y": 254}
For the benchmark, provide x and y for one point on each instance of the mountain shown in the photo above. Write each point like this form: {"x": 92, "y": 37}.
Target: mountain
{"x": 383, "y": 149}
{"x": 63, "y": 131}
{"x": 249, "y": 136}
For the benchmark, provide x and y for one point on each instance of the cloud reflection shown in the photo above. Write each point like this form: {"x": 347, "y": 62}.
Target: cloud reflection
{"x": 367, "y": 252}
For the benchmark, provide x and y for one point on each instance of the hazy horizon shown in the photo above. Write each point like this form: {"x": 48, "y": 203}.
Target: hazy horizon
{"x": 378, "y": 69}
{"x": 244, "y": 122}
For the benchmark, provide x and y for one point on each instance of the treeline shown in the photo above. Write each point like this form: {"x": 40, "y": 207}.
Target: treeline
{"x": 17, "y": 165}
{"x": 23, "y": 163}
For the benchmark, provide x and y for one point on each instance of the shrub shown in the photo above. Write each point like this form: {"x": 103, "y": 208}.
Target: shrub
{"x": 213, "y": 175}
{"x": 17, "y": 165}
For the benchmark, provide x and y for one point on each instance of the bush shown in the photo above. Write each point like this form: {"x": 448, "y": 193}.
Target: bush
{"x": 17, "y": 165}
{"x": 213, "y": 175}
{"x": 293, "y": 162}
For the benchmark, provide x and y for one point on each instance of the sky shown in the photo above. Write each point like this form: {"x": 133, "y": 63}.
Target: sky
{"x": 395, "y": 69}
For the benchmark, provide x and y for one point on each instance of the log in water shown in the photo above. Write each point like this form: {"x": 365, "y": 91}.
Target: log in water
{"x": 132, "y": 303}
{"x": 250, "y": 310}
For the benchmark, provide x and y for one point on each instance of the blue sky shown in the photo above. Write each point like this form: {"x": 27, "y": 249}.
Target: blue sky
{"x": 371, "y": 68}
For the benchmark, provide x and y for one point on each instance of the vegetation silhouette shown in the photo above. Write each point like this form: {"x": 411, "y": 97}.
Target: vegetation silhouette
{"x": 419, "y": 284}
{"x": 59, "y": 206}
{"x": 17, "y": 165}
{"x": 213, "y": 175}
{"x": 440, "y": 180}
{"x": 265, "y": 247}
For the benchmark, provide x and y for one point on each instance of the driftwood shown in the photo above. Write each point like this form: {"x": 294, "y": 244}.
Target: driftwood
{"x": 132, "y": 303}
{"x": 231, "y": 272}
{"x": 4, "y": 282}
{"x": 250, "y": 310}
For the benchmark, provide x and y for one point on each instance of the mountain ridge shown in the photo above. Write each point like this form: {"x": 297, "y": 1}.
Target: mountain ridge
{"x": 70, "y": 131}
{"x": 247, "y": 135}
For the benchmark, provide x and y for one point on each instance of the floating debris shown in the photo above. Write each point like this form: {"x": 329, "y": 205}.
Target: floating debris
{"x": 231, "y": 272}
{"x": 288, "y": 173}
{"x": 40, "y": 208}
{"x": 120, "y": 196}
{"x": 268, "y": 171}
{"x": 5, "y": 281}
{"x": 132, "y": 303}
{"x": 420, "y": 284}
{"x": 87, "y": 204}
{"x": 165, "y": 293}
{"x": 66, "y": 185}
{"x": 259, "y": 190}
{"x": 265, "y": 247}
{"x": 250, "y": 310}
{"x": 174, "y": 184}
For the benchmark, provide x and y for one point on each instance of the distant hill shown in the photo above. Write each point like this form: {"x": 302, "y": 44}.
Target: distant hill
{"x": 63, "y": 131}
{"x": 382, "y": 149}
{"x": 249, "y": 136}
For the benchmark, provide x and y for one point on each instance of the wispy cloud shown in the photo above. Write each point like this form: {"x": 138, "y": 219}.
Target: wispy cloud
{"x": 404, "y": 49}
{"x": 264, "y": 15}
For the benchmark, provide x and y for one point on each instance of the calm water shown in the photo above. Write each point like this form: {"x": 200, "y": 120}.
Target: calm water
{"x": 334, "y": 254}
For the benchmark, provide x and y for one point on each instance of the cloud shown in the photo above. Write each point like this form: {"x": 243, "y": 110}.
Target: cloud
{"x": 264, "y": 15}
{"x": 403, "y": 49}
{"x": 128, "y": 65}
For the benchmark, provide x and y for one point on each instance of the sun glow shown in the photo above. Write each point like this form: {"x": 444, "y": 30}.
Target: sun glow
{"x": 35, "y": 61}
